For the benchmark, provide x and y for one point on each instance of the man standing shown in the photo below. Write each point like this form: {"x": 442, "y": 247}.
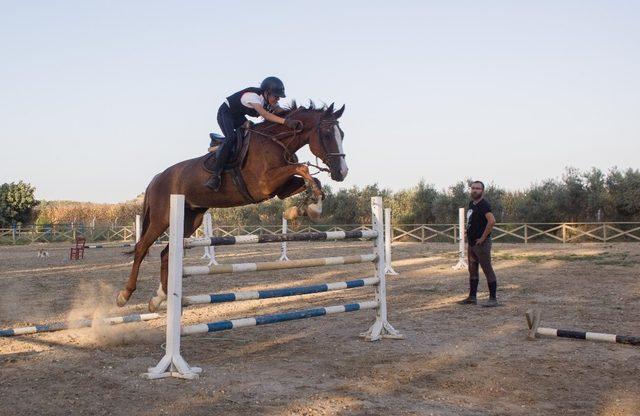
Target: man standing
{"x": 480, "y": 222}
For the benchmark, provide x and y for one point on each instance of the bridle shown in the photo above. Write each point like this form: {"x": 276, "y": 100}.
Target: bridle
{"x": 291, "y": 158}
{"x": 324, "y": 147}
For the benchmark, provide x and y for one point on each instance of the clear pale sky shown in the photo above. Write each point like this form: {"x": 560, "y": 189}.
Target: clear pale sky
{"x": 508, "y": 92}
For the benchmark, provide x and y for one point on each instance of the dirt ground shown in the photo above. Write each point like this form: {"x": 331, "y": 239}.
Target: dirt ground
{"x": 455, "y": 360}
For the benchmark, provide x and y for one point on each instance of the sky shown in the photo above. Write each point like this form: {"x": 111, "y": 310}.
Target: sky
{"x": 99, "y": 96}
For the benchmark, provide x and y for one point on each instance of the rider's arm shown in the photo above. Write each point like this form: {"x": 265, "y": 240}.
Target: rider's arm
{"x": 267, "y": 115}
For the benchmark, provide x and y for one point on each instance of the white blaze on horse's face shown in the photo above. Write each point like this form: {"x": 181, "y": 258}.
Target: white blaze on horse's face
{"x": 344, "y": 169}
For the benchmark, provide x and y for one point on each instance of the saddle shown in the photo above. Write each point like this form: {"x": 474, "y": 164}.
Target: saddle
{"x": 236, "y": 160}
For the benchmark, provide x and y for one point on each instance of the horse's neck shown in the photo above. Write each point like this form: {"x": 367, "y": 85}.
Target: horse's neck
{"x": 296, "y": 142}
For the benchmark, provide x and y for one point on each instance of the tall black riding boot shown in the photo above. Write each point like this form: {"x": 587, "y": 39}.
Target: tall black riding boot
{"x": 222, "y": 156}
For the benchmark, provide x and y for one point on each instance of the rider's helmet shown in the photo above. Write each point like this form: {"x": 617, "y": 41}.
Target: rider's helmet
{"x": 274, "y": 86}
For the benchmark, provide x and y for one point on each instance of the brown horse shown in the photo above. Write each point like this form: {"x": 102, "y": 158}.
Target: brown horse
{"x": 270, "y": 169}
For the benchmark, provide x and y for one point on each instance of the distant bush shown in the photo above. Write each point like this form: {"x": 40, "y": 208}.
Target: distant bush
{"x": 576, "y": 197}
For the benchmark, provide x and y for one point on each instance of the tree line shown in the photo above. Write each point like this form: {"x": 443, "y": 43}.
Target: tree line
{"x": 578, "y": 196}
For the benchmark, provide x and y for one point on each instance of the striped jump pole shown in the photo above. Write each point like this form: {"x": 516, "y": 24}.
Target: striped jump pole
{"x": 278, "y": 238}
{"x": 533, "y": 321}
{"x": 124, "y": 245}
{"x": 277, "y": 265}
{"x": 173, "y": 364}
{"x": 277, "y": 317}
{"x": 109, "y": 245}
{"x": 277, "y": 293}
{"x": 81, "y": 323}
{"x": 387, "y": 243}
{"x": 462, "y": 261}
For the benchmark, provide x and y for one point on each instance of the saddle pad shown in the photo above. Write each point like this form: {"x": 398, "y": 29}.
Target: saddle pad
{"x": 237, "y": 158}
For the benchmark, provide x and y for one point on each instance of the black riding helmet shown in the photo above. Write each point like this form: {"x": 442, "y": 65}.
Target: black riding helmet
{"x": 273, "y": 85}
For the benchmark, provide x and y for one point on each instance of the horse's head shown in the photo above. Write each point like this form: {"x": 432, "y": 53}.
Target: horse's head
{"x": 325, "y": 142}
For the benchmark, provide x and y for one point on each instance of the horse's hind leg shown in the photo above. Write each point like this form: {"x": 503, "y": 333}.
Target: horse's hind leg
{"x": 148, "y": 237}
{"x": 192, "y": 220}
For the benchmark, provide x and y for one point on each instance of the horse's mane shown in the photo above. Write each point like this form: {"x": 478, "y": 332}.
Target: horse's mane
{"x": 294, "y": 108}
{"x": 312, "y": 107}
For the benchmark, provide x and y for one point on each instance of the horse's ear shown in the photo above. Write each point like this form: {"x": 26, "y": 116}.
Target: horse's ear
{"x": 329, "y": 110}
{"x": 338, "y": 113}
{"x": 312, "y": 105}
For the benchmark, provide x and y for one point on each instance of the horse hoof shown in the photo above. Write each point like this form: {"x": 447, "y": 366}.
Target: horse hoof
{"x": 154, "y": 304}
{"x": 292, "y": 213}
{"x": 122, "y": 298}
{"x": 313, "y": 214}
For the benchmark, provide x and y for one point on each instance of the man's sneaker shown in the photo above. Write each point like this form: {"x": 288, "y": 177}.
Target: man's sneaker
{"x": 468, "y": 301}
{"x": 490, "y": 303}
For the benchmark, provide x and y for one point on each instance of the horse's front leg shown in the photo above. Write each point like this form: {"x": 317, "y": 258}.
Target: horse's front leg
{"x": 283, "y": 174}
{"x": 287, "y": 174}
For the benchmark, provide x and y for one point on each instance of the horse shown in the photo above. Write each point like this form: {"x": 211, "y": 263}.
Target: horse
{"x": 270, "y": 168}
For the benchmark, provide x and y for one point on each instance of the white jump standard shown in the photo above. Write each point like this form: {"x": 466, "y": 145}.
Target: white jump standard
{"x": 462, "y": 260}
{"x": 388, "y": 238}
{"x": 209, "y": 251}
{"x": 174, "y": 365}
{"x": 283, "y": 245}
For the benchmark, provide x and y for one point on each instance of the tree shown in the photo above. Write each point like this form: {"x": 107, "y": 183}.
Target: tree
{"x": 17, "y": 201}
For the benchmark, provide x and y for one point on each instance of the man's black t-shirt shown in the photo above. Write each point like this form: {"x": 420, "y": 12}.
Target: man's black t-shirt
{"x": 477, "y": 220}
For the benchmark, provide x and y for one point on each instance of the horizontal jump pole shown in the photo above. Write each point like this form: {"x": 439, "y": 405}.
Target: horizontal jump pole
{"x": 110, "y": 245}
{"x": 278, "y": 293}
{"x": 81, "y": 323}
{"x": 123, "y": 245}
{"x": 533, "y": 320}
{"x": 274, "y": 318}
{"x": 277, "y": 265}
{"x": 279, "y": 238}
{"x": 590, "y": 336}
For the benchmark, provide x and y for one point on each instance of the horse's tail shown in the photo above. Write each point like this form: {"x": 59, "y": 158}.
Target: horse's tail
{"x": 145, "y": 222}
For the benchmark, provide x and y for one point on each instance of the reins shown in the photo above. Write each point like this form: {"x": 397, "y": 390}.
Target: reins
{"x": 291, "y": 158}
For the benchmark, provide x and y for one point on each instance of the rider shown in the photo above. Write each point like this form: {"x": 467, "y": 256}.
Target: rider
{"x": 254, "y": 102}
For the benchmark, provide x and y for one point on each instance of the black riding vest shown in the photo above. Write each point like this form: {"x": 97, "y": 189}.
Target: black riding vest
{"x": 239, "y": 111}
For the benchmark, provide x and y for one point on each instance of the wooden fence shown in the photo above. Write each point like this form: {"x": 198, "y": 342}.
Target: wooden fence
{"x": 423, "y": 233}
{"x": 569, "y": 232}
